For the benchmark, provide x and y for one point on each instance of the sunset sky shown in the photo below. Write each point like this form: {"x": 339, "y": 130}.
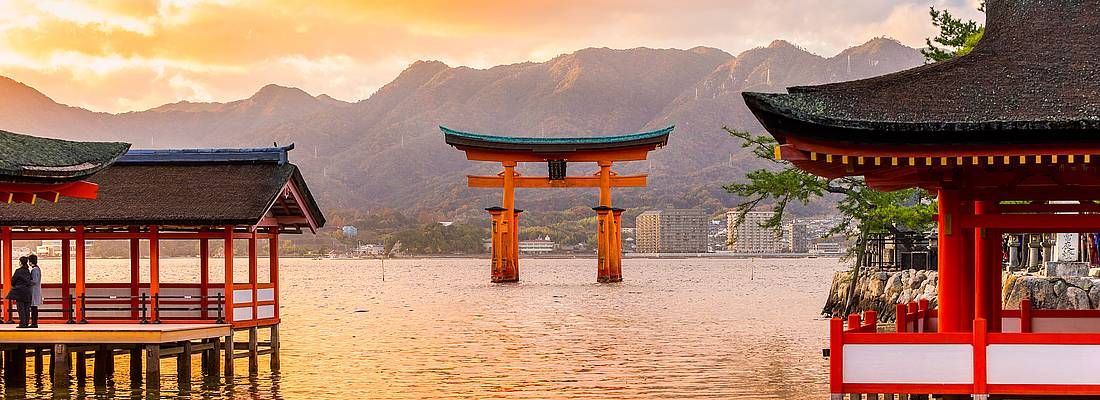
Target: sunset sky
{"x": 120, "y": 56}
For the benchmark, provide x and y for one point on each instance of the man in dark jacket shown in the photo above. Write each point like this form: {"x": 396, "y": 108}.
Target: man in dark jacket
{"x": 21, "y": 283}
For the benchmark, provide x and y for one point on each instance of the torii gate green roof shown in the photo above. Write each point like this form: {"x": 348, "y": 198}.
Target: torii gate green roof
{"x": 657, "y": 138}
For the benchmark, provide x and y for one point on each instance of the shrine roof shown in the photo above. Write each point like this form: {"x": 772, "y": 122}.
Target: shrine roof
{"x": 1033, "y": 78}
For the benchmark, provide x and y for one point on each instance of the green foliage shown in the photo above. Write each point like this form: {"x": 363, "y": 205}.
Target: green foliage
{"x": 434, "y": 238}
{"x": 865, "y": 210}
{"x": 956, "y": 38}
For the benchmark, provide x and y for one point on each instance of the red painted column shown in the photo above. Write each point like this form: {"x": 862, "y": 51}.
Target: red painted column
{"x": 154, "y": 270}
{"x": 80, "y": 281}
{"x": 66, "y": 260}
{"x": 603, "y": 245}
{"x": 987, "y": 270}
{"x": 5, "y": 242}
{"x": 515, "y": 244}
{"x": 253, "y": 275}
{"x": 228, "y": 291}
{"x": 616, "y": 250}
{"x": 204, "y": 277}
{"x": 135, "y": 274}
{"x": 836, "y": 357}
{"x": 496, "y": 273}
{"x": 969, "y": 269}
{"x": 951, "y": 257}
{"x": 273, "y": 256}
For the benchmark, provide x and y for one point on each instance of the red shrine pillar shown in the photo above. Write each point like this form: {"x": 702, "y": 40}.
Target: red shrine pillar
{"x": 987, "y": 269}
{"x": 515, "y": 243}
{"x": 953, "y": 265}
{"x": 616, "y": 250}
{"x": 969, "y": 268}
{"x": 604, "y": 224}
{"x": 498, "y": 232}
{"x": 5, "y": 242}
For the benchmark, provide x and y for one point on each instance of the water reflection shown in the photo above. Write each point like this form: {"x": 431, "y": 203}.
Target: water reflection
{"x": 746, "y": 329}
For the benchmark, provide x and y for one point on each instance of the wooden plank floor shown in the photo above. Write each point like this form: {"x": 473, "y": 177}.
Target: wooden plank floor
{"x": 110, "y": 333}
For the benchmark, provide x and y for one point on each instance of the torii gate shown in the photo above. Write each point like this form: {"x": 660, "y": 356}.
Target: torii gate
{"x": 556, "y": 153}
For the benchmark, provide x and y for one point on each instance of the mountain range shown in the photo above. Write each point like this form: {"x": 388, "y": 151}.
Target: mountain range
{"x": 387, "y": 152}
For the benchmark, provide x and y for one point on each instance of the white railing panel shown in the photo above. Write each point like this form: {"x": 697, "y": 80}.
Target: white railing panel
{"x": 242, "y": 295}
{"x": 242, "y": 313}
{"x": 909, "y": 363}
{"x": 1010, "y": 325}
{"x": 1065, "y": 325}
{"x": 265, "y": 294}
{"x": 1043, "y": 364}
{"x": 265, "y": 312}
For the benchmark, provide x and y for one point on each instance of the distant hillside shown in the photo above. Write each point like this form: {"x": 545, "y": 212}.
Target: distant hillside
{"x": 386, "y": 151}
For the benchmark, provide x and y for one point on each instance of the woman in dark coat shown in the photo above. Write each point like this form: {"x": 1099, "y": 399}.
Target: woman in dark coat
{"x": 21, "y": 283}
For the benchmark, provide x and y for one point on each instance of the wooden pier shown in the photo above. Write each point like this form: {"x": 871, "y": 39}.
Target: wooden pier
{"x": 69, "y": 347}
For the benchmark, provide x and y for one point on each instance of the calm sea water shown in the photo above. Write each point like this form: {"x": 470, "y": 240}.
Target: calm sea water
{"x": 437, "y": 329}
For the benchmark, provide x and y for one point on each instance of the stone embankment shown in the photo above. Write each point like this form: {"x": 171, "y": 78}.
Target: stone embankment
{"x": 881, "y": 291}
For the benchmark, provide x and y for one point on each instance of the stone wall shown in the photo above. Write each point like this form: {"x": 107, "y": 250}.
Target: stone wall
{"x": 881, "y": 291}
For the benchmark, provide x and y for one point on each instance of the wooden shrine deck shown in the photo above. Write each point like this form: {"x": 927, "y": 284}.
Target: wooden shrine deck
{"x": 111, "y": 333}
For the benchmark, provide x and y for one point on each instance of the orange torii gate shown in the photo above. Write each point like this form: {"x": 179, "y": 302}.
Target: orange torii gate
{"x": 557, "y": 153}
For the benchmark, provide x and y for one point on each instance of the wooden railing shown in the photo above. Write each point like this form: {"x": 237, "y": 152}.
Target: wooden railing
{"x": 1055, "y": 352}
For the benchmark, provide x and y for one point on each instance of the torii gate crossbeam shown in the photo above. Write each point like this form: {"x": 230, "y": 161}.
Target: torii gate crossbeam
{"x": 557, "y": 153}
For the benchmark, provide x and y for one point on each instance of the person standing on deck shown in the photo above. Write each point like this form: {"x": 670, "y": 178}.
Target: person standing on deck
{"x": 36, "y": 289}
{"x": 21, "y": 291}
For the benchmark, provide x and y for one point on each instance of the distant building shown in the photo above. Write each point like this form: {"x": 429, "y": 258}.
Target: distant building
{"x": 350, "y": 231}
{"x": 826, "y": 248}
{"x": 671, "y": 231}
{"x": 750, "y": 237}
{"x": 370, "y": 250}
{"x": 537, "y": 246}
{"x": 797, "y": 237}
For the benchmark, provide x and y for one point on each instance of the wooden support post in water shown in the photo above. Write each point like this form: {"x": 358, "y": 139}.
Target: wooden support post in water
{"x": 275, "y": 362}
{"x": 183, "y": 366}
{"x": 253, "y": 351}
{"x": 104, "y": 356}
{"x": 135, "y": 366}
{"x": 15, "y": 367}
{"x": 152, "y": 366}
{"x": 215, "y": 359}
{"x": 229, "y": 355}
{"x": 59, "y": 358}
{"x": 81, "y": 367}
{"x": 37, "y": 361}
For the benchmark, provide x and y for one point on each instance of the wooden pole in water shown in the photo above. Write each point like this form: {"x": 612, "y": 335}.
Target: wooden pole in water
{"x": 215, "y": 358}
{"x": 229, "y": 355}
{"x": 183, "y": 366}
{"x": 135, "y": 366}
{"x": 253, "y": 351}
{"x": 152, "y": 366}
{"x": 81, "y": 367}
{"x": 103, "y": 357}
{"x": 59, "y": 358}
{"x": 37, "y": 361}
{"x": 275, "y": 362}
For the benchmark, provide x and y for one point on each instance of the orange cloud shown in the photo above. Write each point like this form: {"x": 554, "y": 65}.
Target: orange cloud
{"x": 121, "y": 55}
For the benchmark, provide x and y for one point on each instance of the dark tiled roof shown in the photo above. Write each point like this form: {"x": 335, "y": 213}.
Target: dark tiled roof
{"x": 30, "y": 159}
{"x": 1037, "y": 68}
{"x": 146, "y": 191}
{"x": 555, "y": 144}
